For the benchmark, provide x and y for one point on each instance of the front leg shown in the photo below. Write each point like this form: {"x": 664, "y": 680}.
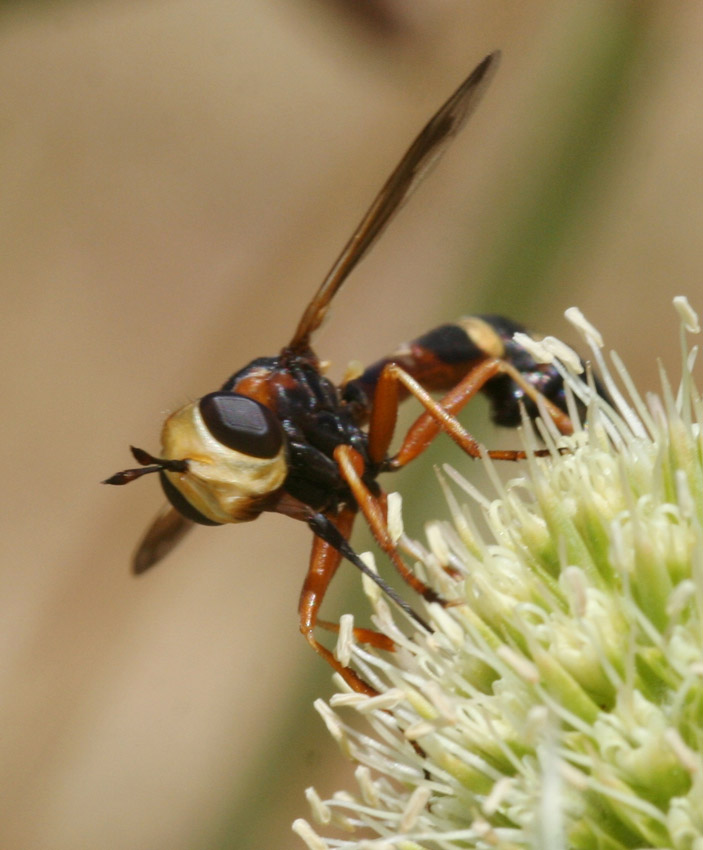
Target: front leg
{"x": 324, "y": 560}
{"x": 329, "y": 547}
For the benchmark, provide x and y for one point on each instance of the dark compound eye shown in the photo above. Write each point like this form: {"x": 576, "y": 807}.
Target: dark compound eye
{"x": 242, "y": 424}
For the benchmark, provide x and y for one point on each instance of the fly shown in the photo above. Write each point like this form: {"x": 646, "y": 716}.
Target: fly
{"x": 280, "y": 437}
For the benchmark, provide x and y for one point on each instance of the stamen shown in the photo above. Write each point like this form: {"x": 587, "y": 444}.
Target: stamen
{"x": 687, "y": 314}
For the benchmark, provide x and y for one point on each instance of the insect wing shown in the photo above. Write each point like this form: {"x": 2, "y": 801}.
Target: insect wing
{"x": 419, "y": 158}
{"x": 164, "y": 534}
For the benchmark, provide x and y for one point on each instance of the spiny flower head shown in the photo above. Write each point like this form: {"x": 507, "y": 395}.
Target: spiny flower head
{"x": 558, "y": 703}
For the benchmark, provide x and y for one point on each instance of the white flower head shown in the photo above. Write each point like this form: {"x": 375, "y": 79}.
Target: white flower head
{"x": 558, "y": 702}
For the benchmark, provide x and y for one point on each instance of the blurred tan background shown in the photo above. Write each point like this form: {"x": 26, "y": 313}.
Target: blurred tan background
{"x": 176, "y": 179}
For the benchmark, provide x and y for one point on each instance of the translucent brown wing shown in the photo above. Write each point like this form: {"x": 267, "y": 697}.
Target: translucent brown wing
{"x": 420, "y": 157}
{"x": 164, "y": 533}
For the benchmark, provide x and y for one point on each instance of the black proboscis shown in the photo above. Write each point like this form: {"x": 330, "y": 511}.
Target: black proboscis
{"x": 324, "y": 528}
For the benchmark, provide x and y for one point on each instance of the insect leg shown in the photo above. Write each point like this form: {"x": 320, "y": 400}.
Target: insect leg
{"x": 326, "y": 530}
{"x": 329, "y": 546}
{"x": 351, "y": 468}
{"x": 324, "y": 560}
{"x": 315, "y": 586}
{"x": 440, "y": 415}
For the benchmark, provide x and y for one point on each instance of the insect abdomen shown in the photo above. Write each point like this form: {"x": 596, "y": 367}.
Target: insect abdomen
{"x": 441, "y": 358}
{"x": 437, "y": 360}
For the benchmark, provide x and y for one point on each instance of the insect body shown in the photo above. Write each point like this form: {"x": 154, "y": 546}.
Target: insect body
{"x": 280, "y": 437}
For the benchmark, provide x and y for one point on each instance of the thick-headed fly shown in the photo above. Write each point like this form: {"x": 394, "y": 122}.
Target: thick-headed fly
{"x": 279, "y": 436}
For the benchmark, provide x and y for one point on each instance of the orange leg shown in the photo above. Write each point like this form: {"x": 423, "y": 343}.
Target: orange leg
{"x": 324, "y": 560}
{"x": 440, "y": 415}
{"x": 361, "y": 635}
{"x": 351, "y": 467}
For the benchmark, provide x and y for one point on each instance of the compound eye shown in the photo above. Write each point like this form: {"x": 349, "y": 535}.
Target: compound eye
{"x": 242, "y": 423}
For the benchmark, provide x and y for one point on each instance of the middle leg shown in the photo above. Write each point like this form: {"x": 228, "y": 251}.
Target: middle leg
{"x": 351, "y": 467}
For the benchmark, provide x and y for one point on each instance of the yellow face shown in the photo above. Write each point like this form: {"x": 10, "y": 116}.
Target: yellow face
{"x": 235, "y": 453}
